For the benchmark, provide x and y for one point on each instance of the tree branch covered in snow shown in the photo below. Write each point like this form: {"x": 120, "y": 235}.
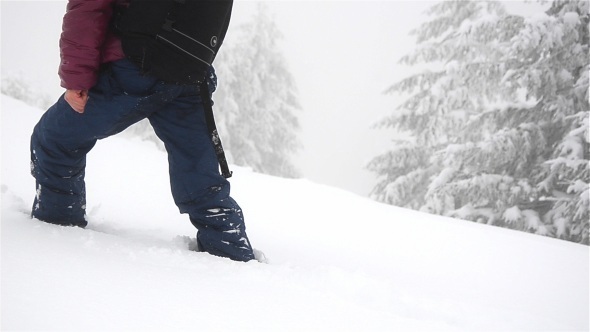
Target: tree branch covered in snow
{"x": 505, "y": 118}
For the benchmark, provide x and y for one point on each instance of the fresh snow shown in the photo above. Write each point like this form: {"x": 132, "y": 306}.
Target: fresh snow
{"x": 337, "y": 261}
{"x": 571, "y": 18}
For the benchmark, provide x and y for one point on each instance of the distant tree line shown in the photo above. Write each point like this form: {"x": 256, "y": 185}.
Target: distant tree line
{"x": 20, "y": 88}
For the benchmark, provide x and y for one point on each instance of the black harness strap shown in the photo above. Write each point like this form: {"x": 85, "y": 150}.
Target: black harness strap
{"x": 205, "y": 97}
{"x": 208, "y": 105}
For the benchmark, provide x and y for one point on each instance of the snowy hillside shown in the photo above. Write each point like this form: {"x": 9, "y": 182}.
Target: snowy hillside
{"x": 338, "y": 262}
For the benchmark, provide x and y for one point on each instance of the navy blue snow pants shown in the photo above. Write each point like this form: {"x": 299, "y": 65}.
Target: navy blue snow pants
{"x": 122, "y": 97}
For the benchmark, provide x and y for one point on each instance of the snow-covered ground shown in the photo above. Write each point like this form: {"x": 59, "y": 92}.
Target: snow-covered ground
{"x": 338, "y": 262}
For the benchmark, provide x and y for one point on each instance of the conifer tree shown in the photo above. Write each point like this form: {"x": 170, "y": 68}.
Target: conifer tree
{"x": 456, "y": 83}
{"x": 500, "y": 125}
{"x": 258, "y": 102}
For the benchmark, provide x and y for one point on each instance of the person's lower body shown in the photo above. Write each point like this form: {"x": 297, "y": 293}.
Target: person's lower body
{"x": 62, "y": 139}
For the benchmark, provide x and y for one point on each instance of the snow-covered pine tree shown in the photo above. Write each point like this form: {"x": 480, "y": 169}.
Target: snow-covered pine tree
{"x": 517, "y": 154}
{"x": 258, "y": 102}
{"x": 462, "y": 74}
{"x": 560, "y": 79}
{"x": 532, "y": 164}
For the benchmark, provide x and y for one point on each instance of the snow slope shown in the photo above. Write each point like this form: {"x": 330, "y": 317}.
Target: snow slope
{"x": 338, "y": 262}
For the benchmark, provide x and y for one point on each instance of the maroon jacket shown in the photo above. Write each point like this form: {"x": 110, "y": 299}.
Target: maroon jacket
{"x": 87, "y": 41}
